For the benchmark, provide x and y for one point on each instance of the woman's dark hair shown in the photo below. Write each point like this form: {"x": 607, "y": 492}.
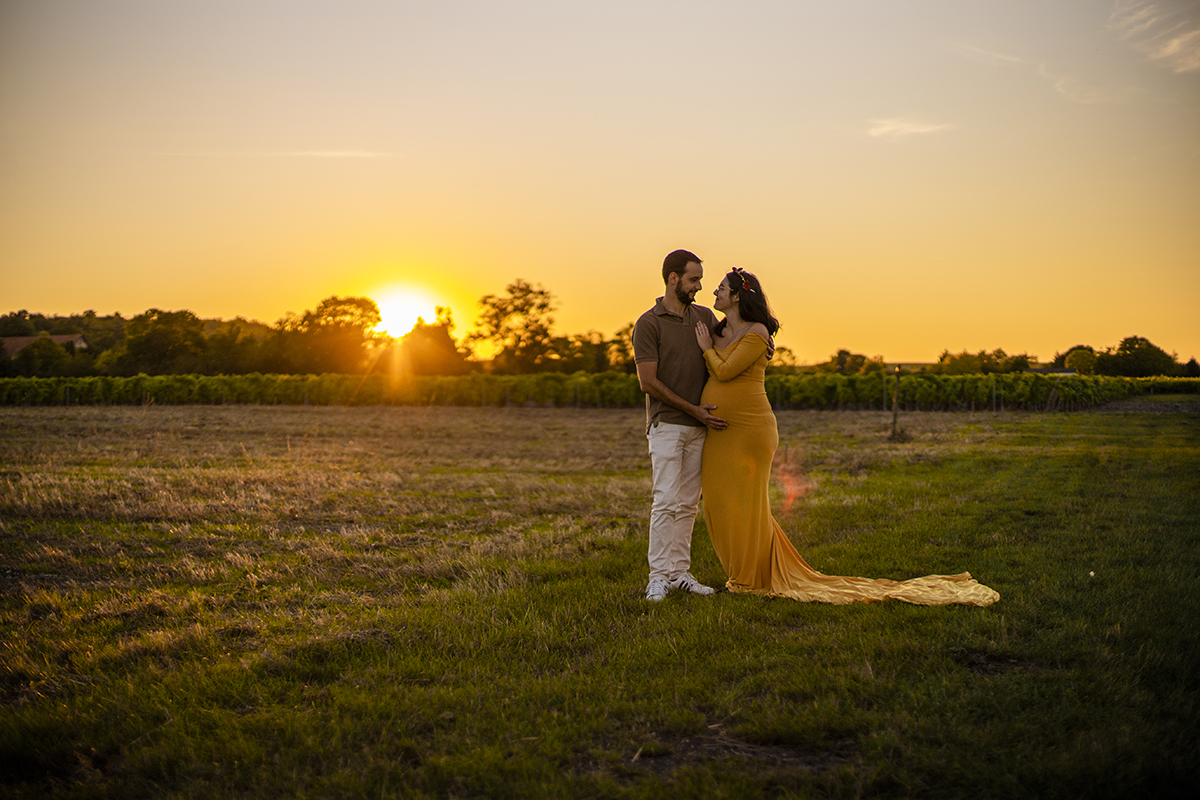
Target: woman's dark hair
{"x": 752, "y": 303}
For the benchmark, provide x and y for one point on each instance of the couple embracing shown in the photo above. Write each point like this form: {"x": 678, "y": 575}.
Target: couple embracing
{"x": 712, "y": 432}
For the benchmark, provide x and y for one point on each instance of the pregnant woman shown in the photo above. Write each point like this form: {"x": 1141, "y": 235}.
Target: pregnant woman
{"x": 756, "y": 555}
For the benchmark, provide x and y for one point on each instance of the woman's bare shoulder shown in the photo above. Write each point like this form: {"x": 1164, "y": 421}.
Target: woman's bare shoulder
{"x": 761, "y": 330}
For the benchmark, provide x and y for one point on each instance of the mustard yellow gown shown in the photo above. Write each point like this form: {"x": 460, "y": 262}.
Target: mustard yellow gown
{"x": 756, "y": 555}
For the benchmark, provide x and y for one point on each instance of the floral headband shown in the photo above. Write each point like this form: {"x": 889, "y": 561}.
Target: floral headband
{"x": 744, "y": 277}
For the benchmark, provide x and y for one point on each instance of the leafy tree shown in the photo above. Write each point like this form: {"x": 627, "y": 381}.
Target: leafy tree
{"x": 874, "y": 365}
{"x": 963, "y": 363}
{"x": 1016, "y": 363}
{"x": 518, "y": 325}
{"x": 619, "y": 350}
{"x": 162, "y": 342}
{"x": 1191, "y": 369}
{"x": 337, "y": 336}
{"x": 42, "y": 358}
{"x": 1060, "y": 359}
{"x": 843, "y": 362}
{"x": 17, "y": 323}
{"x": 983, "y": 362}
{"x": 351, "y": 313}
{"x": 230, "y": 352}
{"x": 429, "y": 349}
{"x": 579, "y": 352}
{"x": 100, "y": 332}
{"x": 783, "y": 361}
{"x": 1082, "y": 360}
{"x": 1136, "y": 357}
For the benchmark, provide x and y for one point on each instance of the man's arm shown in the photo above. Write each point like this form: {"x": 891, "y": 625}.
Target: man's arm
{"x": 647, "y": 372}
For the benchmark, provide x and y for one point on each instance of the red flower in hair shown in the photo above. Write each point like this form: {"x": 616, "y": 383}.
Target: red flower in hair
{"x": 744, "y": 277}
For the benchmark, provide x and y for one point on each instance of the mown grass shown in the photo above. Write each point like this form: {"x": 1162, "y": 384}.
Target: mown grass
{"x": 227, "y": 602}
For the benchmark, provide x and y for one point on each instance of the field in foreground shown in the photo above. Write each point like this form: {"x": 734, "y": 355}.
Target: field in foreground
{"x": 278, "y": 602}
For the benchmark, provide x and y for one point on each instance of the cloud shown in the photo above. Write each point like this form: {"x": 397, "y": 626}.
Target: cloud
{"x": 1183, "y": 51}
{"x": 1132, "y": 18}
{"x": 895, "y": 128}
{"x": 1073, "y": 89}
{"x": 1165, "y": 34}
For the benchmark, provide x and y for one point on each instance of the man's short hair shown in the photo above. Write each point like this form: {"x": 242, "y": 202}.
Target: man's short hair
{"x": 677, "y": 262}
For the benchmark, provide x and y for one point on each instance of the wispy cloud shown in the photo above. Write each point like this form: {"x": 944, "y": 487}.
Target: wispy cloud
{"x": 1074, "y": 89}
{"x": 1167, "y": 34}
{"x": 1071, "y": 88}
{"x": 1182, "y": 51}
{"x": 895, "y": 128}
{"x": 1131, "y": 18}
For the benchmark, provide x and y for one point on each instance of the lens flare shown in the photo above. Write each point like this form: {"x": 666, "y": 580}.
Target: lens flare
{"x": 789, "y": 471}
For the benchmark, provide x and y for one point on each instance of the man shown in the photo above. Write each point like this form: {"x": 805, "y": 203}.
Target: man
{"x": 671, "y": 371}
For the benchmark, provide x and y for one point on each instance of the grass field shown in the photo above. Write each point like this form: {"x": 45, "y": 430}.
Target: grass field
{"x": 387, "y": 602}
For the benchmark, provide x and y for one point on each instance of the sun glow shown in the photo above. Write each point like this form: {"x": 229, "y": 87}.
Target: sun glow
{"x": 400, "y": 308}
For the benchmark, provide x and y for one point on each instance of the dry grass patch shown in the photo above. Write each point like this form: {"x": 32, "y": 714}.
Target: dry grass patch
{"x": 254, "y": 601}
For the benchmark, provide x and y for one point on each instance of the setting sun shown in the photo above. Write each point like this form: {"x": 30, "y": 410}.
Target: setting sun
{"x": 400, "y": 308}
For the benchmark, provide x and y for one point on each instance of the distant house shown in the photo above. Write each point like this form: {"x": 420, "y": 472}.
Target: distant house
{"x": 15, "y": 344}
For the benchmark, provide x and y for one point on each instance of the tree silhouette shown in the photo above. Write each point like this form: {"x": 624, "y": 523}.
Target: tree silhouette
{"x": 518, "y": 325}
{"x": 429, "y": 349}
{"x": 334, "y": 337}
{"x": 1136, "y": 357}
{"x": 42, "y": 358}
{"x": 1060, "y": 359}
{"x": 17, "y": 323}
{"x": 1082, "y": 360}
{"x": 983, "y": 362}
{"x": 620, "y": 350}
{"x": 162, "y": 342}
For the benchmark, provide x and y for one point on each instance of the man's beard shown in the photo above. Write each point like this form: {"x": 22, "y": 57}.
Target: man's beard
{"x": 684, "y": 297}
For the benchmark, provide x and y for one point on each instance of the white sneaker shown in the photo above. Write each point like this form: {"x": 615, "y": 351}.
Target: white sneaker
{"x": 688, "y": 583}
{"x": 656, "y": 590}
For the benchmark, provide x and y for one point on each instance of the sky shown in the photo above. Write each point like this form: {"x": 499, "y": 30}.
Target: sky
{"x": 903, "y": 177}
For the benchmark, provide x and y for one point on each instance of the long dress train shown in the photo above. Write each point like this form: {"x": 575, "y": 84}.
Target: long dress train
{"x": 753, "y": 549}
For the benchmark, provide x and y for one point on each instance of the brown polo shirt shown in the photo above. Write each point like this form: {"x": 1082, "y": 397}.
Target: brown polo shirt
{"x": 670, "y": 340}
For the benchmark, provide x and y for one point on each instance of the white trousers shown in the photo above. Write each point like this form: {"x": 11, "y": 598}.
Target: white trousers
{"x": 675, "y": 454}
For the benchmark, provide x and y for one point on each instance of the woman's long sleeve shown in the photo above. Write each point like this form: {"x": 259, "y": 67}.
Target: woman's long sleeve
{"x": 738, "y": 359}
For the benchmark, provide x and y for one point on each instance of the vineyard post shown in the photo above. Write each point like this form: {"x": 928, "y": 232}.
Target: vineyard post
{"x": 896, "y": 402}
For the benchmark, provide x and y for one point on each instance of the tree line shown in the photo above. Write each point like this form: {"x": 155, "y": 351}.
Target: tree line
{"x": 1134, "y": 357}
{"x": 338, "y": 336}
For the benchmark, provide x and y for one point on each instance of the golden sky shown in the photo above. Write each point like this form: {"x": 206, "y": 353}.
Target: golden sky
{"x": 904, "y": 177}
